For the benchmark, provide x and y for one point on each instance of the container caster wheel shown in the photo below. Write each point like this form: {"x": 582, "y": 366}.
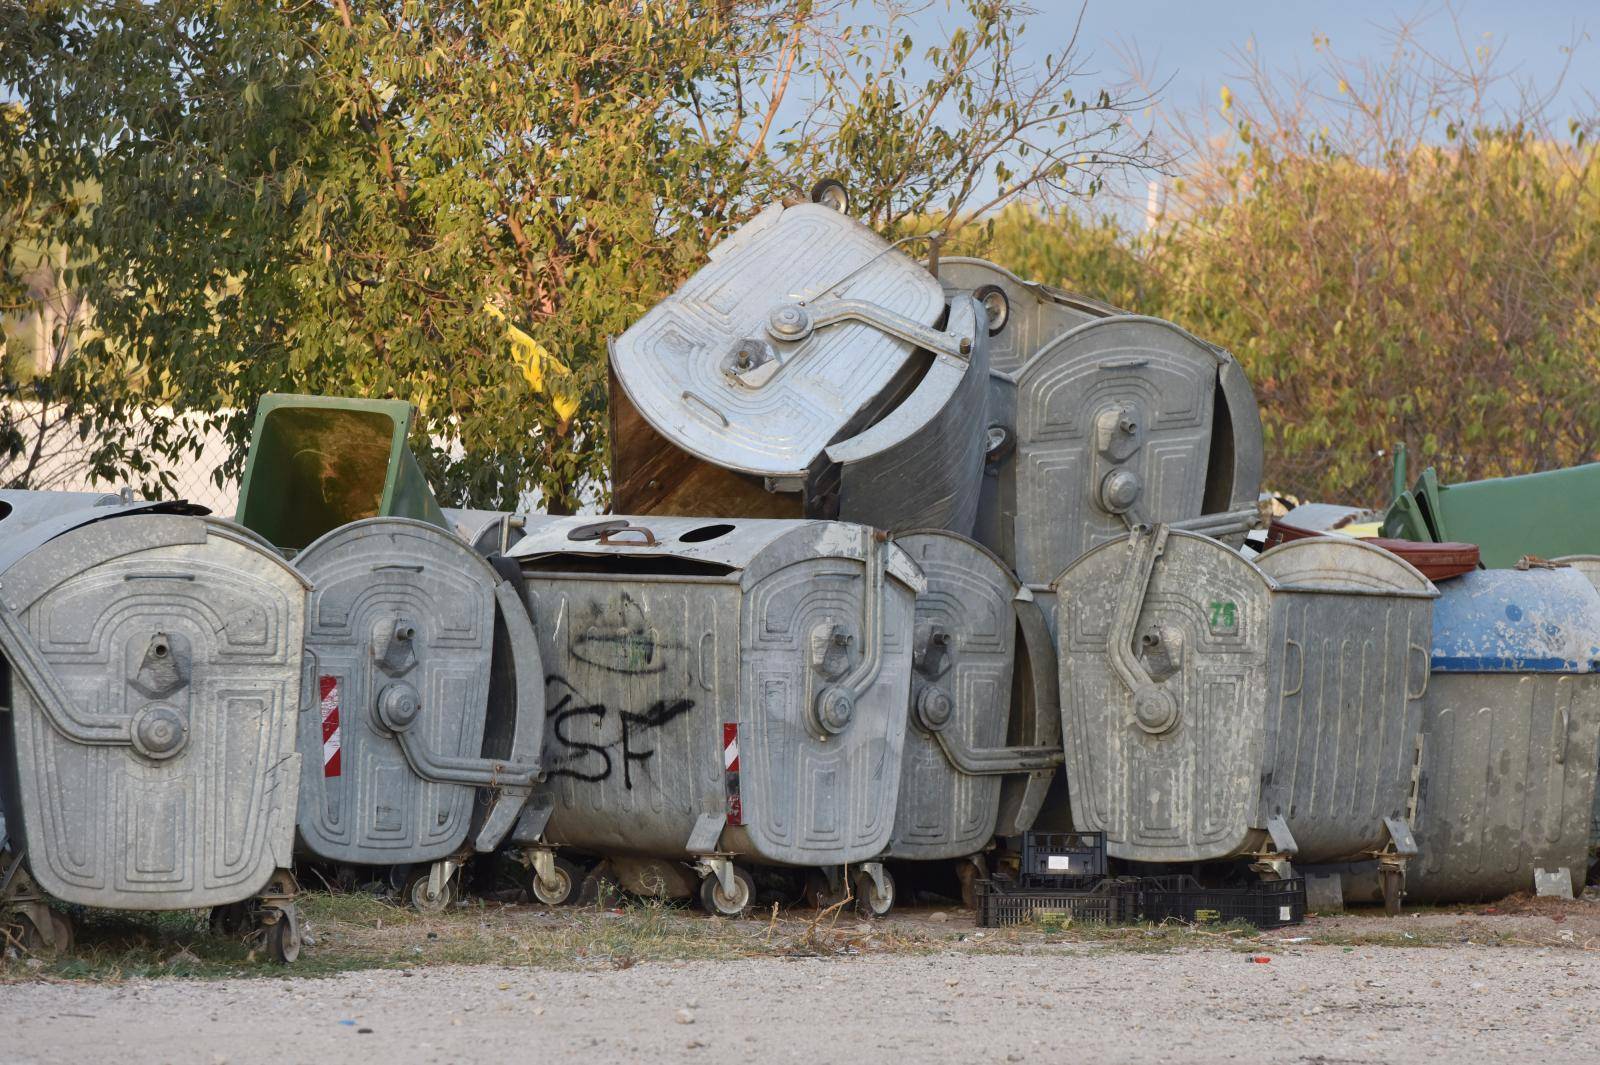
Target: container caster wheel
{"x": 283, "y": 938}
{"x": 1393, "y": 881}
{"x": 44, "y": 931}
{"x": 819, "y": 893}
{"x": 736, "y": 903}
{"x": 870, "y": 901}
{"x": 968, "y": 873}
{"x": 562, "y": 888}
{"x": 234, "y": 919}
{"x": 600, "y": 888}
{"x": 423, "y": 900}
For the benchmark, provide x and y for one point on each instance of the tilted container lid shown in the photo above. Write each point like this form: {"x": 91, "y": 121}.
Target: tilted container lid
{"x": 730, "y": 544}
{"x": 680, "y": 364}
{"x": 29, "y": 519}
{"x": 1517, "y": 621}
{"x": 21, "y": 509}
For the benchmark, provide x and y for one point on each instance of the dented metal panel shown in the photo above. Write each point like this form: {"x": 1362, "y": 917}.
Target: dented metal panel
{"x": 717, "y": 369}
{"x": 155, "y": 679}
{"x": 401, "y": 640}
{"x": 1512, "y": 735}
{"x": 1213, "y": 707}
{"x": 741, "y": 692}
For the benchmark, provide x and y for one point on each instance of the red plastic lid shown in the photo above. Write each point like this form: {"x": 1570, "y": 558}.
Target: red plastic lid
{"x": 1437, "y": 562}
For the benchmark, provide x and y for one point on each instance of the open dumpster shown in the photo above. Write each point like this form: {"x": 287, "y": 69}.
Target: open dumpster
{"x": 976, "y": 732}
{"x": 153, "y": 681}
{"x": 1217, "y": 708}
{"x": 1100, "y": 420}
{"x": 428, "y": 688}
{"x": 723, "y": 694}
{"x": 810, "y": 369}
{"x": 1546, "y": 515}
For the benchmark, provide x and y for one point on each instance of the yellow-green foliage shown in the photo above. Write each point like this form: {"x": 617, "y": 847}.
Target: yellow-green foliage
{"x": 1445, "y": 296}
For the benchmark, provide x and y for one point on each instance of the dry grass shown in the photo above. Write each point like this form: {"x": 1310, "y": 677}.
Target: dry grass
{"x": 350, "y": 931}
{"x": 359, "y": 931}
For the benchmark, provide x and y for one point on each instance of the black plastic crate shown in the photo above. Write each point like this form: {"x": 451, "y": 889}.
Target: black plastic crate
{"x": 1265, "y": 904}
{"x": 1001, "y": 904}
{"x": 1053, "y": 856}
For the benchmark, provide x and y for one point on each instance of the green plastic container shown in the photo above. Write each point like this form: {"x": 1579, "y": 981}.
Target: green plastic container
{"x": 319, "y": 462}
{"x": 1544, "y": 514}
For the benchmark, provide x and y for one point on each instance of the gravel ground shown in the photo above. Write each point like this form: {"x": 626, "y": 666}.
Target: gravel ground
{"x": 1322, "y": 1005}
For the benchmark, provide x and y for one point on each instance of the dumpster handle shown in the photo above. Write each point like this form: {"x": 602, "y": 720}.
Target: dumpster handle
{"x": 996, "y": 761}
{"x": 310, "y": 680}
{"x": 1566, "y": 725}
{"x": 445, "y": 769}
{"x": 1299, "y": 666}
{"x": 37, "y": 676}
{"x": 611, "y": 537}
{"x": 1154, "y": 709}
{"x": 1427, "y": 662}
{"x": 866, "y": 672}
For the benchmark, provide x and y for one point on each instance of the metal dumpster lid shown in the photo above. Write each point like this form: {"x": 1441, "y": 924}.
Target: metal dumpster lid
{"x": 21, "y": 509}
{"x": 734, "y": 543}
{"x": 1322, "y": 517}
{"x": 41, "y": 520}
{"x": 1342, "y": 564}
{"x": 1517, "y": 621}
{"x": 672, "y": 362}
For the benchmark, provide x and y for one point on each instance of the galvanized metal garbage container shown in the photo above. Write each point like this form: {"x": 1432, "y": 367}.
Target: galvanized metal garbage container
{"x": 1099, "y": 420}
{"x": 1214, "y": 707}
{"x": 147, "y": 757}
{"x": 430, "y": 703}
{"x": 1511, "y": 736}
{"x": 800, "y": 374}
{"x": 429, "y": 692}
{"x": 979, "y": 752}
{"x": 722, "y": 694}
{"x": 1589, "y": 566}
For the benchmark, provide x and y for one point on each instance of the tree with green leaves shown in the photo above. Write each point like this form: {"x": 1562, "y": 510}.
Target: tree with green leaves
{"x": 338, "y": 196}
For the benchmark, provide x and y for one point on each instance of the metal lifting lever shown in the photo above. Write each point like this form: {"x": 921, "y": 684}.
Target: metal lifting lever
{"x": 1154, "y": 708}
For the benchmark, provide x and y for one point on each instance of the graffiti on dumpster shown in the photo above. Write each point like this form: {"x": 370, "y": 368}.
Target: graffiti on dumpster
{"x": 592, "y": 761}
{"x": 617, "y": 637}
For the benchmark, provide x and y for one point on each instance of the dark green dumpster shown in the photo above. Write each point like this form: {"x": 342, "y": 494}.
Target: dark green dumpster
{"x": 1544, "y": 514}
{"x": 319, "y": 462}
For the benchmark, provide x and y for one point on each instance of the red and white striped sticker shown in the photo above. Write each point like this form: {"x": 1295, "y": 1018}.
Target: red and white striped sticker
{"x": 328, "y": 688}
{"x": 730, "y": 775}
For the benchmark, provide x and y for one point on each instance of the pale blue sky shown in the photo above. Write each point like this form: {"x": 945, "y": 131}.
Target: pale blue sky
{"x": 1189, "y": 50}
{"x": 1193, "y": 43}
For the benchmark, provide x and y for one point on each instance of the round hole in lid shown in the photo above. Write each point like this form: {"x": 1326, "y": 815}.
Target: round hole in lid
{"x": 5, "y": 511}
{"x": 596, "y": 529}
{"x": 705, "y": 532}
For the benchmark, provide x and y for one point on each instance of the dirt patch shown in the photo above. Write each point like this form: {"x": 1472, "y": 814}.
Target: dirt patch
{"x": 1046, "y": 1002}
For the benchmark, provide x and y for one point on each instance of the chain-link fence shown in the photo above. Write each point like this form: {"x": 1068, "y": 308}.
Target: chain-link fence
{"x": 54, "y": 457}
